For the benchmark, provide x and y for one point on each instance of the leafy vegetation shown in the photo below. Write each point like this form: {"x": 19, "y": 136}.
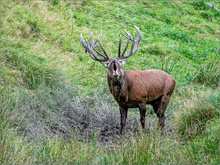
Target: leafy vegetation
{"x": 55, "y": 103}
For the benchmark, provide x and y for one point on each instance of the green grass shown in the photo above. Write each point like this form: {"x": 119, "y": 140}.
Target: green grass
{"x": 55, "y": 103}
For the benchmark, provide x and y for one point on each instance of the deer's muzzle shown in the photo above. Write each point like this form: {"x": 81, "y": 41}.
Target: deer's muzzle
{"x": 115, "y": 70}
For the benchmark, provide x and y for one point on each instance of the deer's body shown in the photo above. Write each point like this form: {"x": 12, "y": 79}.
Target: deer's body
{"x": 134, "y": 89}
{"x": 141, "y": 87}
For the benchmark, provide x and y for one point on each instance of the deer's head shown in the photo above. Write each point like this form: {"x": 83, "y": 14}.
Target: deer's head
{"x": 114, "y": 65}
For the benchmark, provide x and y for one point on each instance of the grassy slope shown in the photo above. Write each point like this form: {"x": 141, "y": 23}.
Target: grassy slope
{"x": 40, "y": 43}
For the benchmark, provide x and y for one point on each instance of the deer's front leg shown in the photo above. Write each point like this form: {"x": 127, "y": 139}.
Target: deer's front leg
{"x": 123, "y": 112}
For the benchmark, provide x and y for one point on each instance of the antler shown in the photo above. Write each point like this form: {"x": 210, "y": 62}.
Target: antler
{"x": 134, "y": 45}
{"x": 91, "y": 46}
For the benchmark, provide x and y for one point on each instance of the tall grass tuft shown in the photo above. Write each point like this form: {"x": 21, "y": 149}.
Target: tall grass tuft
{"x": 208, "y": 74}
{"x": 192, "y": 120}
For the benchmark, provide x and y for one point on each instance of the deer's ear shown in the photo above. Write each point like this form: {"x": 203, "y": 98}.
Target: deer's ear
{"x": 105, "y": 64}
{"x": 123, "y": 63}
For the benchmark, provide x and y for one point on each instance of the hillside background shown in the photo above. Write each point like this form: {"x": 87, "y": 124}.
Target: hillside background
{"x": 55, "y": 104}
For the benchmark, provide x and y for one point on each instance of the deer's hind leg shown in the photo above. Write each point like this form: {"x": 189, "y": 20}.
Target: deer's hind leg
{"x": 142, "y": 108}
{"x": 160, "y": 106}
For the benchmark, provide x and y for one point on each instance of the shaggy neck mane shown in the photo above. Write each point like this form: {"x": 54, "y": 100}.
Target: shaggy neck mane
{"x": 118, "y": 88}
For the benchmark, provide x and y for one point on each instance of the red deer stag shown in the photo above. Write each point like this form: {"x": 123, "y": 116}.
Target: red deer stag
{"x": 134, "y": 89}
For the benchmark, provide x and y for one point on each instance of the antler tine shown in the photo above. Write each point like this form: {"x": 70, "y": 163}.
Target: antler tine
{"x": 127, "y": 34}
{"x": 134, "y": 45}
{"x": 126, "y": 47}
{"x": 139, "y": 36}
{"x": 99, "y": 52}
{"x": 103, "y": 48}
{"x": 95, "y": 43}
{"x": 129, "y": 38}
{"x": 119, "y": 47}
{"x": 91, "y": 46}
